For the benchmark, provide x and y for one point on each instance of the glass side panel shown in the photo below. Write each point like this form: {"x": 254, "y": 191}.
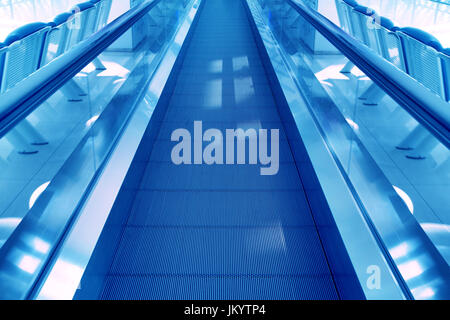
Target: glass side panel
{"x": 73, "y": 131}
{"x": 399, "y": 170}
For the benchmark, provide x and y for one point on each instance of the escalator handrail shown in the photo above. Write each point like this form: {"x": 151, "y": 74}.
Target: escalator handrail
{"x": 426, "y": 107}
{"x": 22, "y": 264}
{"x": 18, "y": 102}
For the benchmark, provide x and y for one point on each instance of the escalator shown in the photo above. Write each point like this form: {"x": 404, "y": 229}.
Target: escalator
{"x": 220, "y": 152}
{"x": 219, "y": 231}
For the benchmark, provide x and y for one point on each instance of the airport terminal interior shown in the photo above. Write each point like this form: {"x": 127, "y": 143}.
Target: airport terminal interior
{"x": 225, "y": 149}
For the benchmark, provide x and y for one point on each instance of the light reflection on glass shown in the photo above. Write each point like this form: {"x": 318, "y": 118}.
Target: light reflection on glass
{"x": 66, "y": 276}
{"x": 36, "y": 193}
{"x": 352, "y": 124}
{"x": 399, "y": 251}
{"x": 331, "y": 72}
{"x": 423, "y": 292}
{"x": 405, "y": 197}
{"x": 29, "y": 263}
{"x": 410, "y": 269}
{"x": 92, "y": 120}
{"x": 113, "y": 69}
{"x": 41, "y": 245}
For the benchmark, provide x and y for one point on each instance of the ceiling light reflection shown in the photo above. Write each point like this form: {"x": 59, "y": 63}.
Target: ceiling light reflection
{"x": 29, "y": 264}
{"x": 36, "y": 193}
{"x": 405, "y": 197}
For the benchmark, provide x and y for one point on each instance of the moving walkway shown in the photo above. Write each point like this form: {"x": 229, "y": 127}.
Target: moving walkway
{"x": 116, "y": 218}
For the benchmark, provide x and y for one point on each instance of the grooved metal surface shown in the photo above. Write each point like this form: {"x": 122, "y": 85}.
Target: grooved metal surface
{"x": 219, "y": 231}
